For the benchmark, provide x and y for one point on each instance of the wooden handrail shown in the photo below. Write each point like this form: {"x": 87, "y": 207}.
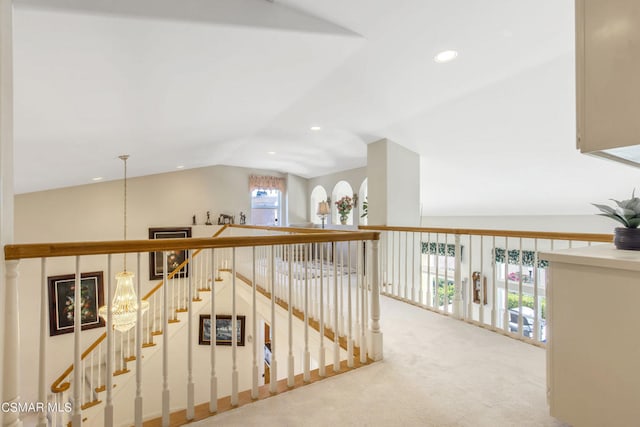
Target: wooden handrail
{"x": 49, "y": 250}
{"x": 587, "y": 237}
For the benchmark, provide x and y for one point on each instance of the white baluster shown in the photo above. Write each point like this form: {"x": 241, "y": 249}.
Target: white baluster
{"x": 363, "y": 322}
{"x": 446, "y": 274}
{"x": 273, "y": 380}
{"x": 76, "y": 419}
{"x": 234, "y": 334}
{"x": 356, "y": 326}
{"x": 120, "y": 364}
{"x": 307, "y": 354}
{"x": 290, "y": 360}
{"x": 340, "y": 330}
{"x": 437, "y": 284}
{"x": 213, "y": 382}
{"x": 406, "y": 266}
{"x": 493, "y": 285}
{"x": 254, "y": 317}
{"x": 321, "y": 357}
{"x": 171, "y": 284}
{"x": 302, "y": 260}
{"x": 152, "y": 316}
{"x": 505, "y": 317}
{"x": 109, "y": 365}
{"x": 92, "y": 381}
{"x": 429, "y": 279}
{"x": 316, "y": 280}
{"x": 328, "y": 305}
{"x": 336, "y": 338}
{"x": 279, "y": 268}
{"x": 458, "y": 303}
{"x": 165, "y": 343}
{"x": 393, "y": 262}
{"x": 349, "y": 320}
{"x": 42, "y": 354}
{"x": 139, "y": 327}
{"x": 482, "y": 282}
{"x": 470, "y": 284}
{"x": 421, "y": 300}
{"x": 190, "y": 314}
{"x": 376, "y": 334}
{"x": 413, "y": 266}
{"x": 83, "y": 391}
{"x": 536, "y": 315}
{"x": 389, "y": 280}
{"x": 520, "y": 317}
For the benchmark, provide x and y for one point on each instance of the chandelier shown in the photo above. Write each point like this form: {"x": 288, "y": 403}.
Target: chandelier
{"x": 124, "y": 307}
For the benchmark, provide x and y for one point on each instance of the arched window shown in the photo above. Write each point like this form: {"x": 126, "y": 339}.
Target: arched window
{"x": 363, "y": 204}
{"x": 319, "y": 194}
{"x": 342, "y": 189}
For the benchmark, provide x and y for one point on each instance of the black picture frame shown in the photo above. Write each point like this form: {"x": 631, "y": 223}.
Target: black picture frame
{"x": 223, "y": 329}
{"x": 174, "y": 257}
{"x": 62, "y": 297}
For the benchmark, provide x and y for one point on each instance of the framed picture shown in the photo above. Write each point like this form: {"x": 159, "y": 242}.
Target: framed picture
{"x": 174, "y": 258}
{"x": 222, "y": 331}
{"x": 62, "y": 302}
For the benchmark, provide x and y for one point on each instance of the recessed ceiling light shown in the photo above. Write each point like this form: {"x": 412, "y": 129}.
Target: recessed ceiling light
{"x": 180, "y": 167}
{"x": 446, "y": 56}
{"x": 315, "y": 128}
{"x": 97, "y": 178}
{"x": 271, "y": 152}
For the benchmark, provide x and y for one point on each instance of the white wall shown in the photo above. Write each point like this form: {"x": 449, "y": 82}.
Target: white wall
{"x": 377, "y": 183}
{"x": 94, "y": 212}
{"x": 297, "y": 195}
{"x": 403, "y": 186}
{"x": 394, "y": 184}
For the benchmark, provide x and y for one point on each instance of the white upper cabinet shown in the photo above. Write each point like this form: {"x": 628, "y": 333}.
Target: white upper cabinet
{"x": 608, "y": 78}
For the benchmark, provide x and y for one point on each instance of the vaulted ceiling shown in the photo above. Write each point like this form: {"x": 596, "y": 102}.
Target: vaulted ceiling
{"x": 240, "y": 82}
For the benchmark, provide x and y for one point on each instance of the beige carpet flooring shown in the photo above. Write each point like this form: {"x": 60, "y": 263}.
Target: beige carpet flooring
{"x": 436, "y": 371}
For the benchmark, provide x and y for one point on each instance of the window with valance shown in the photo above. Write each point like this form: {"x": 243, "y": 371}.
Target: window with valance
{"x": 266, "y": 183}
{"x": 266, "y": 199}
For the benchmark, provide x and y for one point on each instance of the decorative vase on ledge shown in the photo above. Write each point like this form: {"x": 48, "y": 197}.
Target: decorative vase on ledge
{"x": 627, "y": 238}
{"x": 343, "y": 219}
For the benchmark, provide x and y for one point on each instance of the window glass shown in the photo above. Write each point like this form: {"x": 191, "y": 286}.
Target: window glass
{"x": 265, "y": 207}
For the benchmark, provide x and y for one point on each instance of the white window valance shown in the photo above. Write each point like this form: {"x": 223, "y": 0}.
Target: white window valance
{"x": 266, "y": 183}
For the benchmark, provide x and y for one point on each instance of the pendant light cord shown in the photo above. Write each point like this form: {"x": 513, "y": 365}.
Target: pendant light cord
{"x": 124, "y": 158}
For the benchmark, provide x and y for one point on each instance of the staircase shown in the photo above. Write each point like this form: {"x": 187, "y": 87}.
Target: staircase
{"x": 324, "y": 297}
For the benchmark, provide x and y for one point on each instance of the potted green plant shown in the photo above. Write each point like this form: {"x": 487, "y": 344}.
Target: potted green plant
{"x": 626, "y": 212}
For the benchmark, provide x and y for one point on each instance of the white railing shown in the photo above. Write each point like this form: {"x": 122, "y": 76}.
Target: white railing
{"x": 298, "y": 284}
{"x": 492, "y": 278}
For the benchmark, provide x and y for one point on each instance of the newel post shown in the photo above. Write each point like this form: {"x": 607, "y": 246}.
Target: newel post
{"x": 11, "y": 363}
{"x": 375, "y": 335}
